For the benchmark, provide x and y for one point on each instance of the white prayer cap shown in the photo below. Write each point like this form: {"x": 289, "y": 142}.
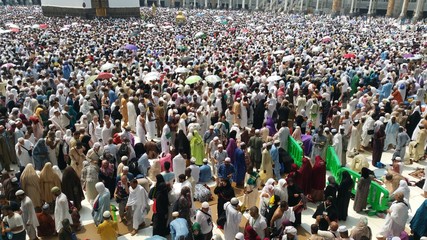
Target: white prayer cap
{"x": 227, "y": 159}
{"x": 106, "y": 214}
{"x": 205, "y": 160}
{"x": 333, "y": 130}
{"x": 14, "y": 179}
{"x": 326, "y": 129}
{"x": 205, "y": 205}
{"x": 342, "y": 229}
{"x": 19, "y": 192}
{"x": 257, "y": 131}
{"x": 124, "y": 158}
{"x": 398, "y": 159}
{"x": 239, "y": 236}
{"x": 234, "y": 201}
{"x": 423, "y": 238}
{"x": 175, "y": 214}
{"x": 193, "y": 160}
{"x": 220, "y": 146}
{"x": 45, "y": 206}
{"x": 211, "y": 127}
{"x": 395, "y": 238}
{"x": 290, "y": 230}
{"x": 216, "y": 139}
{"x": 125, "y": 168}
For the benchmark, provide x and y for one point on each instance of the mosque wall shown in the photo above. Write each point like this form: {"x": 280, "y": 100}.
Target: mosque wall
{"x": 123, "y": 4}
{"x": 68, "y": 3}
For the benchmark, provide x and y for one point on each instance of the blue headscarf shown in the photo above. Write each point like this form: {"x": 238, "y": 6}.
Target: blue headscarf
{"x": 419, "y": 221}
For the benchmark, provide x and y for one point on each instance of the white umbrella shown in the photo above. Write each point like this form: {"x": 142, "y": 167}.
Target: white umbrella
{"x": 259, "y": 28}
{"x": 274, "y": 78}
{"x": 288, "y": 58}
{"x": 388, "y": 40}
{"x": 74, "y": 24}
{"x": 289, "y": 37}
{"x": 167, "y": 27}
{"x": 30, "y": 17}
{"x": 64, "y": 29}
{"x": 2, "y": 31}
{"x": 150, "y": 25}
{"x": 107, "y": 66}
{"x": 135, "y": 23}
{"x": 151, "y": 76}
{"x": 316, "y": 49}
{"x": 213, "y": 79}
{"x": 87, "y": 25}
{"x": 279, "y": 52}
{"x": 240, "y": 38}
{"x": 199, "y": 35}
{"x": 35, "y": 26}
{"x": 425, "y": 35}
{"x": 416, "y": 57}
{"x": 27, "y": 26}
{"x": 12, "y": 25}
{"x": 182, "y": 70}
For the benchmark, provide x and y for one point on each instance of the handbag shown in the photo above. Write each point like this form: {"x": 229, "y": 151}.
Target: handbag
{"x": 299, "y": 207}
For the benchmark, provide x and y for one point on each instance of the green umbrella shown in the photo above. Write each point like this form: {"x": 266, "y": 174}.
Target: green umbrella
{"x": 224, "y": 22}
{"x": 200, "y": 35}
{"x": 90, "y": 79}
{"x": 192, "y": 79}
{"x": 182, "y": 48}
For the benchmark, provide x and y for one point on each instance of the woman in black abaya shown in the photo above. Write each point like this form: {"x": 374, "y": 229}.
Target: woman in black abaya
{"x": 159, "y": 194}
{"x": 344, "y": 194}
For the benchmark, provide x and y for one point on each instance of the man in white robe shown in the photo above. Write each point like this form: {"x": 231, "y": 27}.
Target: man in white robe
{"x": 137, "y": 204}
{"x": 397, "y": 216}
{"x": 337, "y": 143}
{"x": 391, "y": 131}
{"x": 131, "y": 114}
{"x": 179, "y": 166}
{"x": 354, "y": 141}
{"x": 234, "y": 216}
{"x": 61, "y": 208}
{"x": 165, "y": 138}
{"x": 283, "y": 136}
{"x": 29, "y": 216}
{"x": 368, "y": 127}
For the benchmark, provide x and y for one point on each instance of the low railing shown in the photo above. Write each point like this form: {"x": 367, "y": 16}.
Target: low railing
{"x": 295, "y": 150}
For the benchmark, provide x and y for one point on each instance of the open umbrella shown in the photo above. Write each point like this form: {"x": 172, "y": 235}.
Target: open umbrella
{"x": 11, "y": 25}
{"x": 186, "y": 59}
{"x": 87, "y": 25}
{"x": 349, "y": 55}
{"x": 2, "y": 31}
{"x": 8, "y": 65}
{"x": 35, "y": 26}
{"x": 326, "y": 39}
{"x": 182, "y": 70}
{"x": 64, "y": 29}
{"x": 200, "y": 35}
{"x": 15, "y": 30}
{"x": 131, "y": 47}
{"x": 182, "y": 48}
{"x": 43, "y": 26}
{"x": 408, "y": 55}
{"x": 316, "y": 49}
{"x": 416, "y": 57}
{"x": 179, "y": 37}
{"x": 288, "y": 58}
{"x": 192, "y": 79}
{"x": 105, "y": 75}
{"x": 107, "y": 66}
{"x": 279, "y": 52}
{"x": 213, "y": 79}
{"x": 274, "y": 78}
{"x": 90, "y": 80}
{"x": 388, "y": 40}
{"x": 151, "y": 76}
{"x": 150, "y": 25}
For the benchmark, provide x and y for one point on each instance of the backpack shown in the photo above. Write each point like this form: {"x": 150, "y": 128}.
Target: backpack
{"x": 133, "y": 167}
{"x": 123, "y": 151}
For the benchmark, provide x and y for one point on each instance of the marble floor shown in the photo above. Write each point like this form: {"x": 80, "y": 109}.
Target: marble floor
{"x": 375, "y": 222}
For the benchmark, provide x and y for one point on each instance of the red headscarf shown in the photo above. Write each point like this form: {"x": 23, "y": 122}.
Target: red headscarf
{"x": 319, "y": 174}
{"x": 250, "y": 234}
{"x": 303, "y": 176}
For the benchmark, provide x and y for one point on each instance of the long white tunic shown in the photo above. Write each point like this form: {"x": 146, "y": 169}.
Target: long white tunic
{"x": 140, "y": 132}
{"x": 61, "y": 211}
{"x": 28, "y": 213}
{"x": 234, "y": 217}
{"x": 165, "y": 138}
{"x": 138, "y": 201}
{"x": 395, "y": 220}
{"x": 337, "y": 144}
{"x": 131, "y": 115}
{"x": 179, "y": 166}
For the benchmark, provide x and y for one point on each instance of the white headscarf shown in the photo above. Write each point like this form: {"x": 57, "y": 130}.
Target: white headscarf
{"x": 57, "y": 171}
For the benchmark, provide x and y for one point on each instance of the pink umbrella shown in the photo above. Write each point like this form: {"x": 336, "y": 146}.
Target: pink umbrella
{"x": 105, "y": 75}
{"x": 15, "y": 30}
{"x": 43, "y": 26}
{"x": 8, "y": 65}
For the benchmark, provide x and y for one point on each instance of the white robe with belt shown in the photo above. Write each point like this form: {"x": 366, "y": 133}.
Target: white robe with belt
{"x": 131, "y": 115}
{"x": 138, "y": 201}
{"x": 61, "y": 211}
{"x": 337, "y": 144}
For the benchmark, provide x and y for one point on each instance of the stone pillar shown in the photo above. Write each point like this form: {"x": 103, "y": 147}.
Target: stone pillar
{"x": 250, "y": 5}
{"x": 390, "y": 7}
{"x": 229, "y": 5}
{"x": 404, "y": 9}
{"x": 256, "y": 4}
{"x": 218, "y": 4}
{"x": 317, "y": 5}
{"x": 194, "y": 4}
{"x": 286, "y": 6}
{"x": 271, "y": 5}
{"x": 336, "y": 7}
{"x": 206, "y": 3}
{"x": 418, "y": 10}
{"x": 158, "y": 2}
{"x": 352, "y": 6}
{"x": 370, "y": 7}
{"x": 301, "y": 5}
